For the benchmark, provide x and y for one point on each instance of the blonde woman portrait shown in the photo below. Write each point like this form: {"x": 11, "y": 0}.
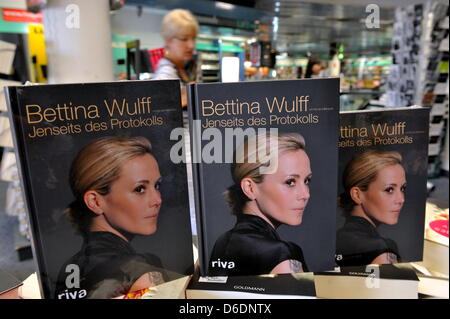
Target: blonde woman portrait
{"x": 374, "y": 193}
{"x": 261, "y": 202}
{"x": 116, "y": 184}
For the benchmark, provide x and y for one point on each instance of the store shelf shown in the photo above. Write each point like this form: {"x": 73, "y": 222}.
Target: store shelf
{"x": 22, "y": 246}
{"x": 432, "y": 88}
{"x": 419, "y": 74}
{"x": 211, "y": 50}
{"x": 210, "y": 67}
{"x": 208, "y": 60}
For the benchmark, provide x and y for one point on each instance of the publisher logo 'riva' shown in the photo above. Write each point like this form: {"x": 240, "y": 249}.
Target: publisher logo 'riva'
{"x": 72, "y": 282}
{"x": 222, "y": 264}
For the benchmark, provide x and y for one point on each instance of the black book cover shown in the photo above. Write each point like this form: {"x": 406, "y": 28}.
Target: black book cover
{"x": 383, "y": 157}
{"x": 396, "y": 272}
{"x": 298, "y": 285}
{"x": 223, "y": 117}
{"x": 108, "y": 207}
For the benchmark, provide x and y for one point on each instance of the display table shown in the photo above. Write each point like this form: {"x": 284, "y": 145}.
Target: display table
{"x": 428, "y": 288}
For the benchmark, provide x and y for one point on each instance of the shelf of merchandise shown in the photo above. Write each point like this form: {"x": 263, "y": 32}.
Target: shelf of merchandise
{"x": 433, "y": 79}
{"x": 406, "y": 43}
{"x": 210, "y": 51}
{"x": 365, "y": 72}
{"x": 287, "y": 66}
{"x": 208, "y": 61}
{"x": 419, "y": 74}
{"x": 14, "y": 201}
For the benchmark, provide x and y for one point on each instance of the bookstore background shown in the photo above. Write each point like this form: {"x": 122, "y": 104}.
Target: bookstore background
{"x": 389, "y": 56}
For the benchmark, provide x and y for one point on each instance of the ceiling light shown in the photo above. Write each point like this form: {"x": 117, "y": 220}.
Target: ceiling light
{"x": 225, "y": 6}
{"x": 275, "y": 26}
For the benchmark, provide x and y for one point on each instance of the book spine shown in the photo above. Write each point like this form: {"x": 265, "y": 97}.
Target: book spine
{"x": 197, "y": 177}
{"x": 14, "y": 113}
{"x": 421, "y": 231}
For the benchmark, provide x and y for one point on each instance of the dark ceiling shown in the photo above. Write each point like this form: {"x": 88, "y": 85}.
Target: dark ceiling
{"x": 298, "y": 27}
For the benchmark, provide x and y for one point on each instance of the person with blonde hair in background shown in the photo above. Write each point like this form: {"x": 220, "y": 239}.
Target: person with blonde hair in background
{"x": 374, "y": 193}
{"x": 179, "y": 30}
{"x": 263, "y": 197}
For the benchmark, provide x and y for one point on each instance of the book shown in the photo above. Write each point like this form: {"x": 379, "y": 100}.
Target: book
{"x": 435, "y": 250}
{"x": 368, "y": 282}
{"x": 433, "y": 287}
{"x": 8, "y": 282}
{"x": 5, "y": 132}
{"x": 281, "y": 286}
{"x": 108, "y": 207}
{"x": 3, "y": 83}
{"x": 383, "y": 162}
{"x": 8, "y": 167}
{"x": 7, "y": 53}
{"x": 175, "y": 289}
{"x": 254, "y": 233}
{"x": 30, "y": 288}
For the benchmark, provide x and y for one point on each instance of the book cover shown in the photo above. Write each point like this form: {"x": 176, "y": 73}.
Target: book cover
{"x": 259, "y": 214}
{"x": 108, "y": 207}
{"x": 383, "y": 158}
{"x": 281, "y": 286}
{"x": 435, "y": 251}
{"x": 436, "y": 224}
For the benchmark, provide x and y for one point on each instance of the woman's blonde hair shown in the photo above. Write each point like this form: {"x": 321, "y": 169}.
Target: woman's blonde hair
{"x": 177, "y": 21}
{"x": 362, "y": 170}
{"x": 247, "y": 162}
{"x": 96, "y": 167}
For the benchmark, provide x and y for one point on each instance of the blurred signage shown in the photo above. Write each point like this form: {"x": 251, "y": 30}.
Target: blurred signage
{"x": 255, "y": 53}
{"x": 23, "y": 16}
{"x": 36, "y": 48}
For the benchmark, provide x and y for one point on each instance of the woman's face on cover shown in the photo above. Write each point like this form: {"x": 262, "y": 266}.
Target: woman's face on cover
{"x": 385, "y": 196}
{"x": 282, "y": 196}
{"x": 134, "y": 200}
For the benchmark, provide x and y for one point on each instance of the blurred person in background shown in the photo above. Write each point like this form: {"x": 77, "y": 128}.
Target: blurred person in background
{"x": 179, "y": 30}
{"x": 313, "y": 68}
